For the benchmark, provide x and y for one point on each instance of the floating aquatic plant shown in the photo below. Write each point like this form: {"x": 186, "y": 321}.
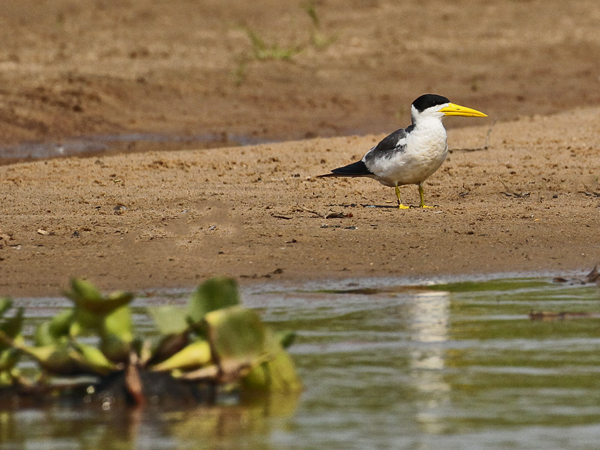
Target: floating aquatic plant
{"x": 211, "y": 343}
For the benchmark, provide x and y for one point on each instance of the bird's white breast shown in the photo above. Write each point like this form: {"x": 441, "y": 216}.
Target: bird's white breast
{"x": 426, "y": 149}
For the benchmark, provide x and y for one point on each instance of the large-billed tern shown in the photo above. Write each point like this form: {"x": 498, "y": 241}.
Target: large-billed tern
{"x": 410, "y": 155}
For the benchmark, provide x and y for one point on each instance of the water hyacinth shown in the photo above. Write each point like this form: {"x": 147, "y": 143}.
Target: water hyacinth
{"x": 211, "y": 342}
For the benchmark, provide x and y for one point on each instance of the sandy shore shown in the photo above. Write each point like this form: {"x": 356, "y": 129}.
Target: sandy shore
{"x": 209, "y": 74}
{"x": 528, "y": 202}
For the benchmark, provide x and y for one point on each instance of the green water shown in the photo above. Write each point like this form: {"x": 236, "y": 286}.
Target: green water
{"x": 386, "y": 366}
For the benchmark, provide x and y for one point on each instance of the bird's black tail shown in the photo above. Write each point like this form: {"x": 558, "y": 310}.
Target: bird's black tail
{"x": 357, "y": 169}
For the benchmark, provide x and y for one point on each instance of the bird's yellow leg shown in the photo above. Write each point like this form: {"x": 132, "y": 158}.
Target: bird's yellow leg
{"x": 423, "y": 205}
{"x": 400, "y": 205}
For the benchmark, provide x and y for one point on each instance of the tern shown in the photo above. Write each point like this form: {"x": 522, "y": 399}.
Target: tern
{"x": 410, "y": 155}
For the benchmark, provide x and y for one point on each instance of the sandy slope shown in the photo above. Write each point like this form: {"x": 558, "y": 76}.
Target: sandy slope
{"x": 528, "y": 202}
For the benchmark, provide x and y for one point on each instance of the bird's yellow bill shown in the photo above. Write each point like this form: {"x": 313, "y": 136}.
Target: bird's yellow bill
{"x": 457, "y": 110}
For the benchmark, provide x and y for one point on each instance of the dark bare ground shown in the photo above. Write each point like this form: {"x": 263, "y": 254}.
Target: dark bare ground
{"x": 73, "y": 68}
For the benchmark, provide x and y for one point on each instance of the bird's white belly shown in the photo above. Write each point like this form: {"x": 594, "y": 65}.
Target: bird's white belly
{"x": 414, "y": 165}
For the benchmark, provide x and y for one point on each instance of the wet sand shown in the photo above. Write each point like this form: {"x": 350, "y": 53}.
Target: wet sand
{"x": 528, "y": 202}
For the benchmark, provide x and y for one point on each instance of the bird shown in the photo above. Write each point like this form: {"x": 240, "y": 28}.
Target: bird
{"x": 410, "y": 155}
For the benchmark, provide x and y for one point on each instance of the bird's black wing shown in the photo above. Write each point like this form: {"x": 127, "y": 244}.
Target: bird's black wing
{"x": 390, "y": 144}
{"x": 357, "y": 169}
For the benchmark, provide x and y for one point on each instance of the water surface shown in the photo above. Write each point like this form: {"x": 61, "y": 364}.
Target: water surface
{"x": 124, "y": 143}
{"x": 386, "y": 366}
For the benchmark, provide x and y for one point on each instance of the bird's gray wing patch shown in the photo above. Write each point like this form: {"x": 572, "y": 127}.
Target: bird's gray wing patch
{"x": 390, "y": 145}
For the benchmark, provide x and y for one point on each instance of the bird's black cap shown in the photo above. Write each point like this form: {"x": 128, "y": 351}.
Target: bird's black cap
{"x": 429, "y": 100}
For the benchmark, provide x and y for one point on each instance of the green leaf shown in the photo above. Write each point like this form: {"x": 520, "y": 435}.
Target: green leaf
{"x": 11, "y": 329}
{"x": 277, "y": 374}
{"x": 54, "y": 359}
{"x": 169, "y": 319}
{"x": 43, "y": 336}
{"x": 119, "y": 323}
{"x": 55, "y": 329}
{"x": 84, "y": 290}
{"x": 213, "y": 294}
{"x": 63, "y": 359}
{"x": 12, "y": 326}
{"x": 5, "y": 379}
{"x": 195, "y": 355}
{"x": 85, "y": 322}
{"x": 5, "y": 304}
{"x": 8, "y": 358}
{"x": 93, "y": 359}
{"x": 172, "y": 323}
{"x": 60, "y": 323}
{"x": 119, "y": 297}
{"x": 117, "y": 334}
{"x": 115, "y": 349}
{"x": 87, "y": 298}
{"x": 237, "y": 336}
